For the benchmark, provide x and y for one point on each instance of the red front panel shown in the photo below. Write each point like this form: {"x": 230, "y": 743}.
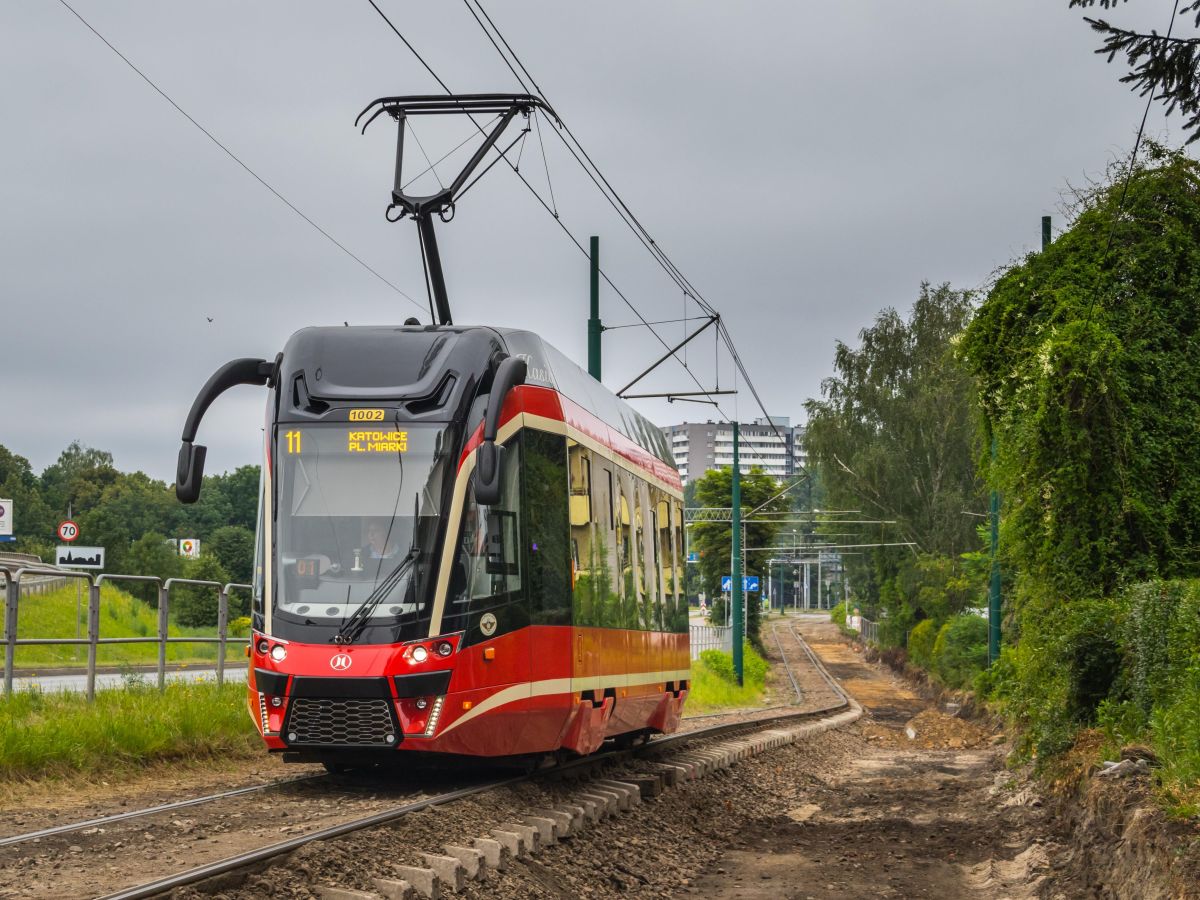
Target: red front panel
{"x": 518, "y": 693}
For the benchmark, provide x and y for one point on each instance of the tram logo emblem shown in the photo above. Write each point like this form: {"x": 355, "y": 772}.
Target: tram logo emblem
{"x": 487, "y": 624}
{"x": 340, "y": 662}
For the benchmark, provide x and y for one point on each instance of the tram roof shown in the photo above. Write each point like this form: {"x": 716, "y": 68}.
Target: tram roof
{"x": 372, "y": 361}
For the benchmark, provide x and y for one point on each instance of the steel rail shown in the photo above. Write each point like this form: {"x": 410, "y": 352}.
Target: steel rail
{"x": 233, "y": 863}
{"x": 786, "y": 667}
{"x": 152, "y": 810}
{"x": 820, "y": 667}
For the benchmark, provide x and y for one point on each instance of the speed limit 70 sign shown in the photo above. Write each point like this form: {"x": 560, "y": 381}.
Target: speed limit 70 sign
{"x": 68, "y": 531}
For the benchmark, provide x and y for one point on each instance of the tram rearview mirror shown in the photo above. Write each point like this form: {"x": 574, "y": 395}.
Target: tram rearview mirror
{"x": 509, "y": 373}
{"x": 190, "y": 472}
{"x": 487, "y": 473}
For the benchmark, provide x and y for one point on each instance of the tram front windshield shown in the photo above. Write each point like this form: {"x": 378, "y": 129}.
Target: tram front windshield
{"x": 357, "y": 515}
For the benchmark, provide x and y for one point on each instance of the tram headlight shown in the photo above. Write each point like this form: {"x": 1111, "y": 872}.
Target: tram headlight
{"x": 420, "y": 654}
{"x": 263, "y": 646}
{"x": 443, "y": 648}
{"x": 279, "y": 653}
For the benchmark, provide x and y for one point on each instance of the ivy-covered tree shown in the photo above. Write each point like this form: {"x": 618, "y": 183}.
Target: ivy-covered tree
{"x": 1087, "y": 357}
{"x": 1163, "y": 64}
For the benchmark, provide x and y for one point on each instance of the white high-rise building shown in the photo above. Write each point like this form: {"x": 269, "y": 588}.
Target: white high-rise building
{"x": 774, "y": 444}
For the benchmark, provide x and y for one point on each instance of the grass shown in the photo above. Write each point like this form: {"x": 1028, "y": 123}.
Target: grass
{"x": 53, "y": 615}
{"x": 61, "y": 734}
{"x": 713, "y": 687}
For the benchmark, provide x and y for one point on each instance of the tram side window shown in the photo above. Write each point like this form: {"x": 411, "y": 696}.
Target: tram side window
{"x": 679, "y": 622}
{"x": 596, "y": 595}
{"x": 589, "y": 558}
{"x": 626, "y": 552}
{"x": 665, "y": 562}
{"x": 486, "y": 573}
{"x": 647, "y": 580}
{"x": 547, "y": 528}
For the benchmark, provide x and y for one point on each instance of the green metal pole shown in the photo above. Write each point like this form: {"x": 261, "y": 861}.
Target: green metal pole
{"x": 994, "y": 582}
{"x": 1045, "y": 232}
{"x": 594, "y": 327}
{"x": 737, "y": 559}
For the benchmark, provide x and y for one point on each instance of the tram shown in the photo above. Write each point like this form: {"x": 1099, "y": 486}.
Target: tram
{"x": 466, "y": 546}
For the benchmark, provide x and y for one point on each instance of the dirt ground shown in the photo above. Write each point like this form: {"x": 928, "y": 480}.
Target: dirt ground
{"x": 925, "y": 808}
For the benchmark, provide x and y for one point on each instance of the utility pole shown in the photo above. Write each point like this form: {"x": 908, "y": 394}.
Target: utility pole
{"x": 737, "y": 559}
{"x": 595, "y": 329}
{"x": 994, "y": 579}
{"x": 994, "y": 600}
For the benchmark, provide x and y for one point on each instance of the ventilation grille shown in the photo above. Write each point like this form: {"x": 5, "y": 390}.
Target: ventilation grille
{"x": 341, "y": 723}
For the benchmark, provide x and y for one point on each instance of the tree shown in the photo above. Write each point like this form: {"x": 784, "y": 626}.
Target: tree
{"x": 33, "y": 521}
{"x": 714, "y": 540}
{"x": 233, "y": 546}
{"x": 895, "y": 436}
{"x": 77, "y": 479}
{"x": 240, "y": 490}
{"x": 152, "y": 554}
{"x": 195, "y": 606}
{"x": 126, "y": 509}
{"x": 1162, "y": 65}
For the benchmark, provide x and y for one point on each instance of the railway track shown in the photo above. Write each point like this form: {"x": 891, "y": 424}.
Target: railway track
{"x": 104, "y": 821}
{"x": 730, "y": 740}
{"x": 247, "y": 816}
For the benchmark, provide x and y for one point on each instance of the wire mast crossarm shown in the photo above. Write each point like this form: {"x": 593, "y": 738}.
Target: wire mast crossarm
{"x": 424, "y": 208}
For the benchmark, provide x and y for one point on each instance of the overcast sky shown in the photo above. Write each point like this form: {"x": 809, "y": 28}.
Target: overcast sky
{"x": 806, "y": 164}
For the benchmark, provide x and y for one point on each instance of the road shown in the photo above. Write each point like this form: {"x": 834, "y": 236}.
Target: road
{"x": 78, "y": 682}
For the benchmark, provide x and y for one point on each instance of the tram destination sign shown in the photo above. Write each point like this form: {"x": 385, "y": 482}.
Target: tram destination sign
{"x": 72, "y": 557}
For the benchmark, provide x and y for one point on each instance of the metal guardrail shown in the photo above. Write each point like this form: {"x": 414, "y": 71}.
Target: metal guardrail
{"x": 870, "y": 631}
{"x": 13, "y": 576}
{"x": 710, "y": 637}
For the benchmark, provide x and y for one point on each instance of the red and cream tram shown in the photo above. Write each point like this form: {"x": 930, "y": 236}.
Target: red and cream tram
{"x": 466, "y": 545}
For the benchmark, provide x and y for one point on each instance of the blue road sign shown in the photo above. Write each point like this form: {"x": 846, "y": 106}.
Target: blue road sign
{"x": 749, "y": 583}
{"x": 693, "y": 557}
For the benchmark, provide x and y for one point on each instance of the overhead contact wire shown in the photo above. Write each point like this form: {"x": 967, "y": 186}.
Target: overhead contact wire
{"x": 622, "y": 208}
{"x": 208, "y": 134}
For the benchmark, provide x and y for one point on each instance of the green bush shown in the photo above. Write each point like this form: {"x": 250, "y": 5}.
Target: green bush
{"x": 920, "y": 643}
{"x": 720, "y": 663}
{"x": 1176, "y": 728}
{"x": 960, "y": 650}
{"x": 1066, "y": 663}
{"x": 194, "y": 606}
{"x": 1161, "y": 636}
{"x": 838, "y": 615}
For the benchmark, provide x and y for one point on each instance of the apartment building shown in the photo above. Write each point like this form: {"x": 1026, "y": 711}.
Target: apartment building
{"x": 773, "y": 444}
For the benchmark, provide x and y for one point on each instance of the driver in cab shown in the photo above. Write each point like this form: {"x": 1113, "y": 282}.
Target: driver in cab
{"x": 379, "y": 542}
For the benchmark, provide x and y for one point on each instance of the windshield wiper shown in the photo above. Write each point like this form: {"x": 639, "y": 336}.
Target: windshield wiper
{"x": 353, "y": 627}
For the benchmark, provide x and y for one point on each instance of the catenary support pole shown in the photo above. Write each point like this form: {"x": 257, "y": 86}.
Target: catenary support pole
{"x": 737, "y": 559}
{"x": 595, "y": 329}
